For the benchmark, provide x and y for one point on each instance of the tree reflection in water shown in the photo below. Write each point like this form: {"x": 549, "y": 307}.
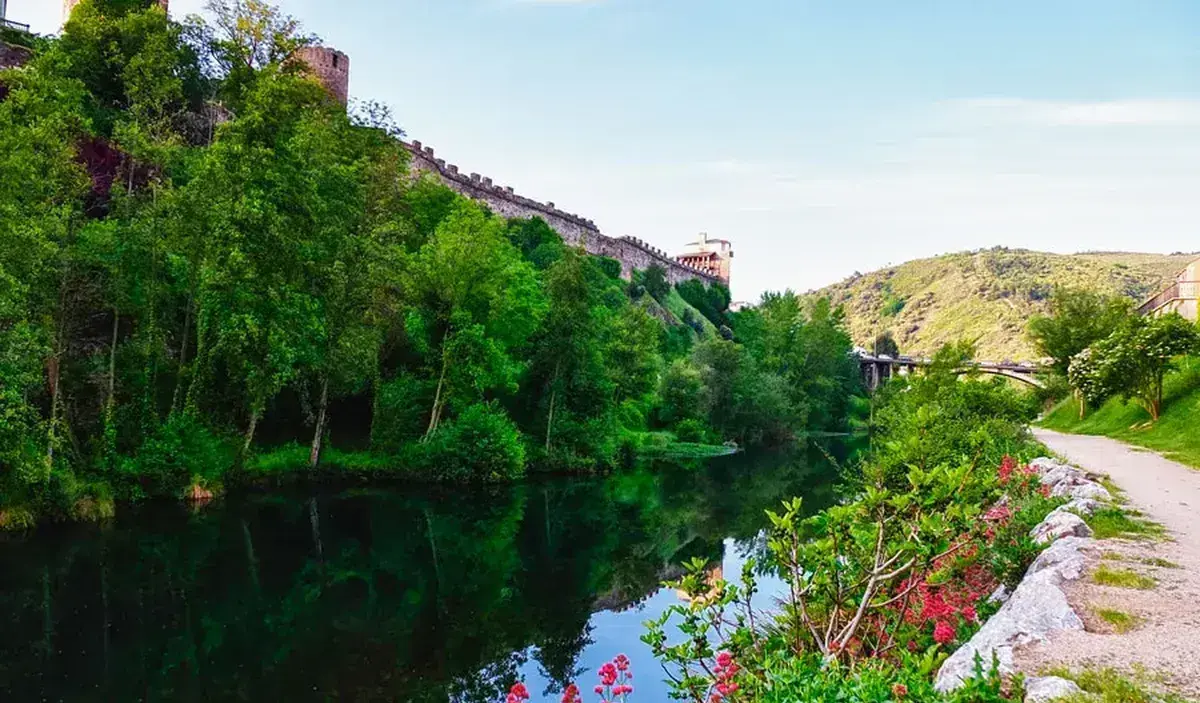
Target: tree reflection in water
{"x": 421, "y": 594}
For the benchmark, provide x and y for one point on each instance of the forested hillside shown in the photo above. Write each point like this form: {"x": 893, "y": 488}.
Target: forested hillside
{"x": 211, "y": 274}
{"x": 987, "y": 295}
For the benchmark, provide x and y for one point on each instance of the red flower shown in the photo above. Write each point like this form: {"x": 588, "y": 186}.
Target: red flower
{"x": 943, "y": 632}
{"x": 899, "y": 690}
{"x": 969, "y": 613}
{"x": 571, "y": 694}
{"x": 517, "y": 694}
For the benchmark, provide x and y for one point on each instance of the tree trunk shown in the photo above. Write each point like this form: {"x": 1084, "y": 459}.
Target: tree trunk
{"x": 251, "y": 560}
{"x": 183, "y": 347}
{"x": 314, "y": 522}
{"x": 112, "y": 362}
{"x": 435, "y": 416}
{"x": 250, "y": 431}
{"x": 553, "y": 398}
{"x": 314, "y": 456}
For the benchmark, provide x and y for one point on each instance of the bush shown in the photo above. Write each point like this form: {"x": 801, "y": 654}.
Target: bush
{"x": 611, "y": 267}
{"x": 181, "y": 453}
{"x": 482, "y": 444}
{"x": 654, "y": 279}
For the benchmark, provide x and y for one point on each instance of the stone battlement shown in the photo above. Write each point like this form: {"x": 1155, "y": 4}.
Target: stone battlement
{"x": 576, "y": 230}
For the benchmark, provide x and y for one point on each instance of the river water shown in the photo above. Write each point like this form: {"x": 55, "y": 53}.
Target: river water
{"x": 398, "y": 593}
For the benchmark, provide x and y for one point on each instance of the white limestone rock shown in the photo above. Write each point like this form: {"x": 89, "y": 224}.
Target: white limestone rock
{"x": 1042, "y": 464}
{"x": 1060, "y": 475}
{"x": 1065, "y": 556}
{"x": 1086, "y": 489}
{"x": 1037, "y": 608}
{"x": 1059, "y": 524}
{"x": 1042, "y": 689}
{"x": 1082, "y": 506}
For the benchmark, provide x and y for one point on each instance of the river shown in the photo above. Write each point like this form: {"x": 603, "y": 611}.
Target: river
{"x": 397, "y": 593}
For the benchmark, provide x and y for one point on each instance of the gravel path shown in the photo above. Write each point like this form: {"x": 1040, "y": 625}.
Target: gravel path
{"x": 1167, "y": 639}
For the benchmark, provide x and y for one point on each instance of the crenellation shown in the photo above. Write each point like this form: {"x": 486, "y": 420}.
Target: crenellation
{"x": 633, "y": 253}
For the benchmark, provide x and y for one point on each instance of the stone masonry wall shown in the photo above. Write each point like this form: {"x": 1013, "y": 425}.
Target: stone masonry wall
{"x": 12, "y": 56}
{"x": 633, "y": 253}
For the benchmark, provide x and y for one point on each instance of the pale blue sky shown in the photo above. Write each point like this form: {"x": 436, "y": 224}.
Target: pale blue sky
{"x": 822, "y": 137}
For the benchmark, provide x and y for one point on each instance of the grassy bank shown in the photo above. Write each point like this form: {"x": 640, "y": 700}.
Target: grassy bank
{"x": 1175, "y": 434}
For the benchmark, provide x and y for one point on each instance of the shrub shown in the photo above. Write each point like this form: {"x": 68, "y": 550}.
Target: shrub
{"x": 654, "y": 279}
{"x": 611, "y": 267}
{"x": 481, "y": 444}
{"x": 182, "y": 452}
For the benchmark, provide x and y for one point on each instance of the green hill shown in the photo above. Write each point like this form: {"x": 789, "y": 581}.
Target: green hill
{"x": 987, "y": 295}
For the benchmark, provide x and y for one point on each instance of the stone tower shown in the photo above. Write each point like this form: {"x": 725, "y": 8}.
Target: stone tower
{"x": 69, "y": 5}
{"x": 329, "y": 66}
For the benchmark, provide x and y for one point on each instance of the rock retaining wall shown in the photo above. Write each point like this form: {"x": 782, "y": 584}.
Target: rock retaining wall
{"x": 1038, "y": 606}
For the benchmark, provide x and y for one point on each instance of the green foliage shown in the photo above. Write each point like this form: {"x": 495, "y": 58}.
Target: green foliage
{"x": 943, "y": 416}
{"x": 885, "y": 344}
{"x": 711, "y": 300}
{"x": 1134, "y": 360}
{"x": 1078, "y": 318}
{"x": 481, "y": 444}
{"x": 181, "y": 453}
{"x": 879, "y": 586}
{"x": 654, "y": 279}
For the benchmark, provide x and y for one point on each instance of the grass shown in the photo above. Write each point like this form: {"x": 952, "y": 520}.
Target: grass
{"x": 1175, "y": 432}
{"x": 1149, "y": 561}
{"x": 1108, "y": 523}
{"x": 1121, "y": 621}
{"x": 1111, "y": 686}
{"x": 293, "y": 459}
{"x": 1123, "y": 578}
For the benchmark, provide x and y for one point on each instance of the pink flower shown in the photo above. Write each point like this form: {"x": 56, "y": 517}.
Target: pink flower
{"x": 943, "y": 632}
{"x": 517, "y": 694}
{"x": 571, "y": 694}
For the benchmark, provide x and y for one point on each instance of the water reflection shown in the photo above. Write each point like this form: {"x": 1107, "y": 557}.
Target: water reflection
{"x": 397, "y": 594}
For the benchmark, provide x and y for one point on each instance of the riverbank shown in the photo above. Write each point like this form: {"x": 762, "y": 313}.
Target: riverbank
{"x": 1174, "y": 433}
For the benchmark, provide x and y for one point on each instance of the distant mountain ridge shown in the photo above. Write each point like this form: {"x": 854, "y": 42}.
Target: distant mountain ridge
{"x": 987, "y": 295}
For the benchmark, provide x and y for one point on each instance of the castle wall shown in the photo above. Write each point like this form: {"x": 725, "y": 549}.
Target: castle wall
{"x": 12, "y": 56}
{"x": 634, "y": 254}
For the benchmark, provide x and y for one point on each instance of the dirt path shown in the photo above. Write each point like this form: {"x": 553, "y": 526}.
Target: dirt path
{"x": 1166, "y": 637}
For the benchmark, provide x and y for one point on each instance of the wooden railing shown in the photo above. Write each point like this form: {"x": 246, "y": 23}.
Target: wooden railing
{"x": 1180, "y": 290}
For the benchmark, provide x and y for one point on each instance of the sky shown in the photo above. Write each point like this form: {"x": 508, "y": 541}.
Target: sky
{"x": 822, "y": 137}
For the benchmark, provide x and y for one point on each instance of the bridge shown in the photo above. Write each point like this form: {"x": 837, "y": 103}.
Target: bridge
{"x": 877, "y": 369}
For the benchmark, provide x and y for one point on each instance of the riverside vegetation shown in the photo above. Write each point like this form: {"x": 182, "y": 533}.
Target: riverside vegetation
{"x": 879, "y": 588}
{"x": 211, "y": 274}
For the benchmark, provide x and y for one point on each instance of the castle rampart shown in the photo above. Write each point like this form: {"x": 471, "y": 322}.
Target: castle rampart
{"x": 632, "y": 252}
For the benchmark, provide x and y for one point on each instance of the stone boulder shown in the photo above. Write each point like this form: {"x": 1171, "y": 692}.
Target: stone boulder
{"x": 1087, "y": 489}
{"x": 1041, "y": 689}
{"x": 1058, "y": 524}
{"x": 1042, "y": 464}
